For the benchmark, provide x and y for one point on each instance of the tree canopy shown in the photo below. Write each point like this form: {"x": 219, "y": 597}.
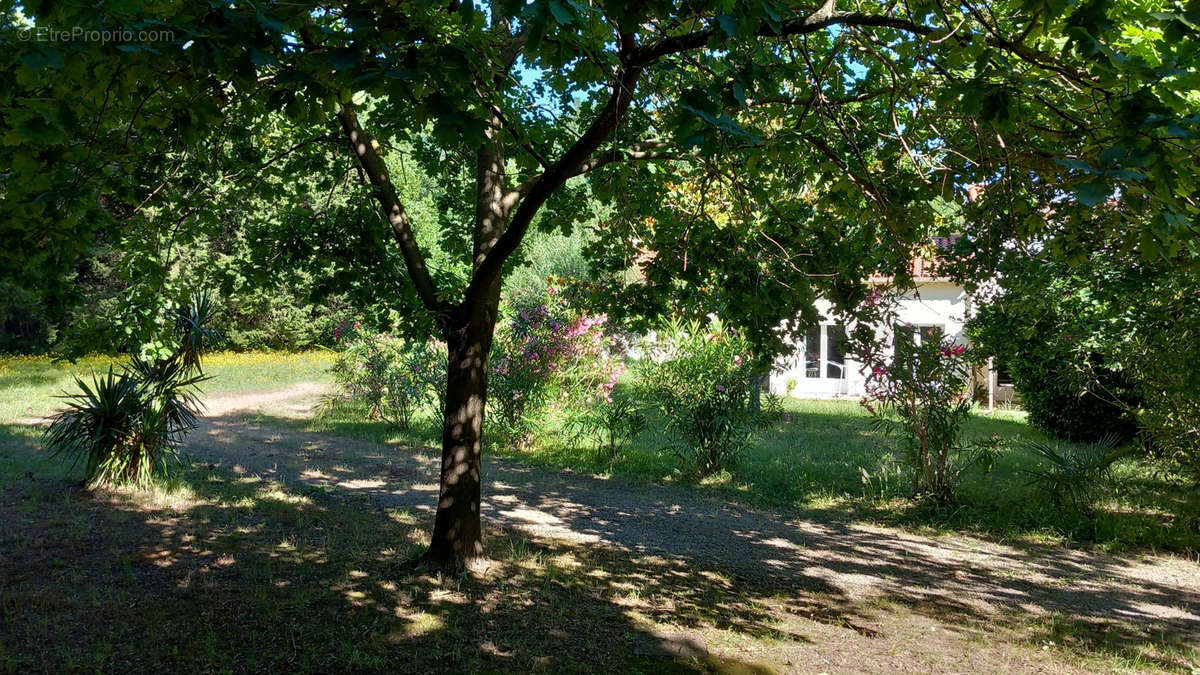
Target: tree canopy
{"x": 826, "y": 141}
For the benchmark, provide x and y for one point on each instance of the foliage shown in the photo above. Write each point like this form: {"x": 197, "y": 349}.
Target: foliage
{"x": 394, "y": 378}
{"x": 23, "y": 325}
{"x": 1126, "y": 332}
{"x": 862, "y": 124}
{"x": 1035, "y": 332}
{"x": 700, "y": 379}
{"x": 922, "y": 398}
{"x": 548, "y": 351}
{"x": 1153, "y": 333}
{"x": 1073, "y": 477}
{"x": 126, "y": 426}
{"x": 233, "y": 107}
{"x": 279, "y": 319}
{"x": 612, "y": 422}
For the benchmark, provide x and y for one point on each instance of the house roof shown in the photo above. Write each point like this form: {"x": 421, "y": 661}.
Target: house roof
{"x": 925, "y": 268}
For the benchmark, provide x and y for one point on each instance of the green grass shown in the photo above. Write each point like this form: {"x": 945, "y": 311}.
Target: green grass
{"x": 30, "y": 385}
{"x": 826, "y": 461}
{"x": 824, "y": 458}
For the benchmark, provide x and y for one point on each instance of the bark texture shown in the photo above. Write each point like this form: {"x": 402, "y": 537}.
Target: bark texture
{"x": 457, "y": 534}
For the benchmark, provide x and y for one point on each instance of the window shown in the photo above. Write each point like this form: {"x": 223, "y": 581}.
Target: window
{"x": 812, "y": 352}
{"x": 824, "y": 352}
{"x": 911, "y": 335}
{"x": 835, "y": 339}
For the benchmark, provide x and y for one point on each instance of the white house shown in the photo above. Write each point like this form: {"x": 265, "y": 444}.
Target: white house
{"x": 819, "y": 368}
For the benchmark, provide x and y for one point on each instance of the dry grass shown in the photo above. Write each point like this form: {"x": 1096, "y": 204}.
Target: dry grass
{"x": 219, "y": 572}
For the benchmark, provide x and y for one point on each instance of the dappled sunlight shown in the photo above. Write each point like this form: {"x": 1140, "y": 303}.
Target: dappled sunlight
{"x": 315, "y": 531}
{"x": 362, "y": 484}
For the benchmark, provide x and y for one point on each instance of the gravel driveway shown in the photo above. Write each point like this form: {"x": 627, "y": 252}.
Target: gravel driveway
{"x": 953, "y": 576}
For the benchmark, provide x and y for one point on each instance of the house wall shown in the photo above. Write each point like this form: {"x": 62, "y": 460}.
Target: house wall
{"x": 933, "y": 303}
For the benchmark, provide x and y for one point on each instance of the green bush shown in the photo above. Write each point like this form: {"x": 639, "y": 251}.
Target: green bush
{"x": 547, "y": 351}
{"x": 126, "y": 426}
{"x": 279, "y": 319}
{"x": 700, "y": 379}
{"x": 23, "y": 324}
{"x": 395, "y": 379}
{"x": 921, "y": 398}
{"x": 1067, "y": 392}
{"x": 612, "y": 423}
{"x": 1060, "y": 404}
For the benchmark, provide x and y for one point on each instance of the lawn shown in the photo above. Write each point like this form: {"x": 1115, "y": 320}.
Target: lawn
{"x": 825, "y": 460}
{"x": 30, "y": 384}
{"x": 216, "y": 571}
{"x": 30, "y": 387}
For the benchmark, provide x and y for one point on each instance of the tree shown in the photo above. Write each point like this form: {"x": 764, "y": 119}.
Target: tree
{"x": 856, "y": 119}
{"x": 1103, "y": 346}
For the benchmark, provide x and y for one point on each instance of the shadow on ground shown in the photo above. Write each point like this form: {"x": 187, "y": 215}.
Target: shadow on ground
{"x": 285, "y": 550}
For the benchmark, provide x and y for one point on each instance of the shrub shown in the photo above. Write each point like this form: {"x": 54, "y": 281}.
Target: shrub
{"x": 393, "y": 378}
{"x": 700, "y": 378}
{"x": 1158, "y": 345}
{"x": 547, "y": 351}
{"x": 921, "y": 399}
{"x": 279, "y": 319}
{"x": 612, "y": 422}
{"x": 1044, "y": 331}
{"x": 1054, "y": 394}
{"x": 1073, "y": 477}
{"x": 126, "y": 426}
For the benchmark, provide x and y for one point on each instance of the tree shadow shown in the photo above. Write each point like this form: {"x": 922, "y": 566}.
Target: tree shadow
{"x": 287, "y": 550}
{"x": 228, "y": 572}
{"x": 967, "y": 583}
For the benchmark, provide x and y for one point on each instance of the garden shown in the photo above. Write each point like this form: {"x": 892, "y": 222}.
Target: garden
{"x": 457, "y": 337}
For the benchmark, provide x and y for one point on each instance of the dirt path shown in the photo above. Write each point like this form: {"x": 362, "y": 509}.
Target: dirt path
{"x": 955, "y": 579}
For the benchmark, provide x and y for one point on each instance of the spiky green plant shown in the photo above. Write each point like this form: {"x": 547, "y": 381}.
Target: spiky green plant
{"x": 1073, "y": 477}
{"x": 126, "y": 425}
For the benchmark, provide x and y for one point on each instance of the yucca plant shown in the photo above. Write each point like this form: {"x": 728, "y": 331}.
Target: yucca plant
{"x": 126, "y": 426}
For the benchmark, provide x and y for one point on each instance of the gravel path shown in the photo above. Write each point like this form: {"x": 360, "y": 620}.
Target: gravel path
{"x": 957, "y": 577}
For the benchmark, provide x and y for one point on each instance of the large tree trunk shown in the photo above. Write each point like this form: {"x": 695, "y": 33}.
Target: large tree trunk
{"x": 457, "y": 534}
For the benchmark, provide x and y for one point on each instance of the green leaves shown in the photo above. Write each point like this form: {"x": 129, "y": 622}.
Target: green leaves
{"x": 1093, "y": 192}
{"x": 836, "y": 141}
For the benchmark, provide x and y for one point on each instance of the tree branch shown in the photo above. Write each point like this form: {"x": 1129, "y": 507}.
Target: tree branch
{"x": 817, "y": 98}
{"x": 553, "y": 178}
{"x": 648, "y": 151}
{"x": 818, "y": 20}
{"x": 365, "y": 149}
